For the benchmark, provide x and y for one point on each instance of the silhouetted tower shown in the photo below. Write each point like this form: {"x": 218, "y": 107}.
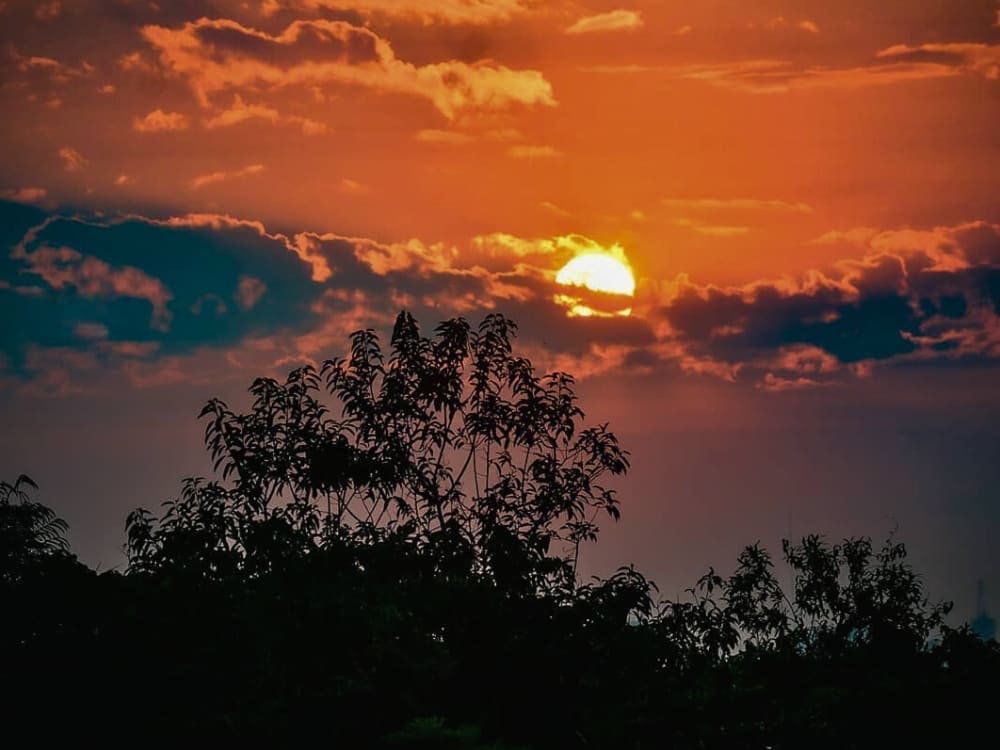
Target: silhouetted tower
{"x": 982, "y": 624}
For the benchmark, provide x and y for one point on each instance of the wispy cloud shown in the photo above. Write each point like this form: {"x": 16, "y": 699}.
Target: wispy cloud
{"x": 453, "y": 137}
{"x": 780, "y": 22}
{"x": 742, "y": 204}
{"x": 552, "y": 208}
{"x": 240, "y": 112}
{"x": 615, "y": 20}
{"x": 220, "y": 176}
{"x": 352, "y": 187}
{"x": 533, "y": 152}
{"x": 438, "y": 11}
{"x": 25, "y": 194}
{"x": 893, "y": 65}
{"x": 73, "y": 160}
{"x": 158, "y": 121}
{"x": 712, "y": 230}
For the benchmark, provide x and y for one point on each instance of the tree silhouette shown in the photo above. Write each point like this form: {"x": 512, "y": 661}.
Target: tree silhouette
{"x": 451, "y": 444}
{"x": 29, "y": 531}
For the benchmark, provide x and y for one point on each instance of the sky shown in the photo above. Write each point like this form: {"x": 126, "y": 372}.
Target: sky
{"x": 195, "y": 193}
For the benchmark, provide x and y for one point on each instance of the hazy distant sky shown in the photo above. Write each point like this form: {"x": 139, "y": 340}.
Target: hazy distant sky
{"x": 194, "y": 193}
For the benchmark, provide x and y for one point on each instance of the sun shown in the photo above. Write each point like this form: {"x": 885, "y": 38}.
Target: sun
{"x": 598, "y": 272}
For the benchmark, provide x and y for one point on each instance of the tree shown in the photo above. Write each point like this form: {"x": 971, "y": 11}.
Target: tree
{"x": 29, "y": 531}
{"x": 449, "y": 443}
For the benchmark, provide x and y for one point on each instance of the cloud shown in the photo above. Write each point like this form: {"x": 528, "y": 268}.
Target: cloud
{"x": 124, "y": 179}
{"x": 91, "y": 330}
{"x": 352, "y": 187}
{"x": 24, "y": 194}
{"x": 780, "y": 22}
{"x": 738, "y": 204}
{"x": 915, "y": 295}
{"x": 47, "y": 11}
{"x": 741, "y": 207}
{"x": 228, "y": 294}
{"x": 712, "y": 230}
{"x": 892, "y": 65}
{"x": 40, "y": 67}
{"x": 615, "y": 20}
{"x": 73, "y": 160}
{"x": 982, "y": 59}
{"x": 240, "y": 112}
{"x": 249, "y": 292}
{"x": 203, "y": 295}
{"x": 452, "y": 137}
{"x": 533, "y": 152}
{"x": 776, "y": 383}
{"x": 779, "y": 76}
{"x": 221, "y": 55}
{"x": 220, "y": 176}
{"x": 155, "y": 285}
{"x": 62, "y": 267}
{"x": 556, "y": 210}
{"x": 158, "y": 121}
{"x": 444, "y": 11}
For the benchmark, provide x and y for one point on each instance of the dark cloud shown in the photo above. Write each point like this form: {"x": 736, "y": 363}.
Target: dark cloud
{"x": 914, "y": 296}
{"x": 154, "y": 290}
{"x": 340, "y": 42}
{"x": 134, "y": 289}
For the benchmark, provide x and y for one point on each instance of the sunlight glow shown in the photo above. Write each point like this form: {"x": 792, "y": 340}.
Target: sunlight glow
{"x": 598, "y": 272}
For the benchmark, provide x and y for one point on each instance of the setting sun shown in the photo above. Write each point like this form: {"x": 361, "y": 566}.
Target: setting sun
{"x": 598, "y": 272}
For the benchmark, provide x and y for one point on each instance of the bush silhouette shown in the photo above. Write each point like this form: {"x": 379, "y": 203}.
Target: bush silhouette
{"x": 388, "y": 558}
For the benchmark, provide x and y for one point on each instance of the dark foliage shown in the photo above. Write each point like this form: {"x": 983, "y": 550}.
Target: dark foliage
{"x": 388, "y": 559}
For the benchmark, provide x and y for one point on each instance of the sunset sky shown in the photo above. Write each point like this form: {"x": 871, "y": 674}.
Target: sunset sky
{"x": 195, "y": 192}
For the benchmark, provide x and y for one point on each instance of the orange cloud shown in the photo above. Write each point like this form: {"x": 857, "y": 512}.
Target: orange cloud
{"x": 983, "y": 59}
{"x": 218, "y": 55}
{"x": 615, "y": 20}
{"x": 241, "y": 112}
{"x": 158, "y": 121}
{"x": 780, "y": 22}
{"x": 776, "y": 383}
{"x": 446, "y": 11}
{"x": 25, "y": 194}
{"x": 212, "y": 177}
{"x": 897, "y": 64}
{"x": 47, "y": 11}
{"x": 748, "y": 204}
{"x": 712, "y": 230}
{"x": 49, "y": 68}
{"x": 533, "y": 152}
{"x": 63, "y": 266}
{"x": 352, "y": 187}
{"x": 73, "y": 160}
{"x": 556, "y": 210}
{"x": 444, "y": 136}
